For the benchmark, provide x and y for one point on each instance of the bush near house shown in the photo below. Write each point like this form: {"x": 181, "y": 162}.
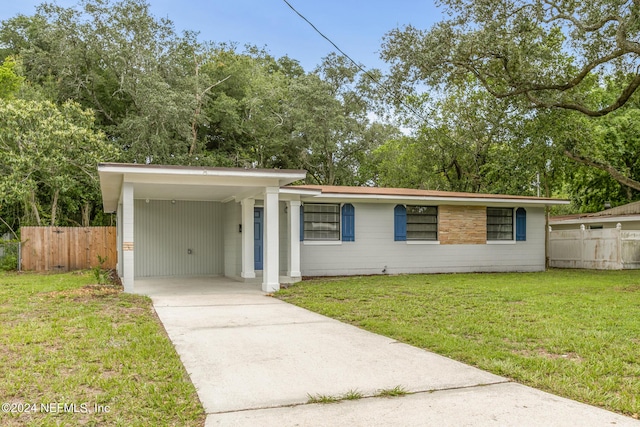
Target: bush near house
{"x": 574, "y": 333}
{"x": 79, "y": 353}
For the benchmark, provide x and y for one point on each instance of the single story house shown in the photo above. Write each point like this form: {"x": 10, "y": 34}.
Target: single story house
{"x": 628, "y": 216}
{"x": 247, "y": 223}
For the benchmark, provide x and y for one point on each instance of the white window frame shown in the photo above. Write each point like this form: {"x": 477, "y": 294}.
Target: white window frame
{"x": 322, "y": 241}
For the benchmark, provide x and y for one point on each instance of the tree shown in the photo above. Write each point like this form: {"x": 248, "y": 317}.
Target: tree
{"x": 331, "y": 124}
{"x": 10, "y": 82}
{"x": 544, "y": 54}
{"x": 541, "y": 51}
{"x": 50, "y": 155}
{"x": 470, "y": 141}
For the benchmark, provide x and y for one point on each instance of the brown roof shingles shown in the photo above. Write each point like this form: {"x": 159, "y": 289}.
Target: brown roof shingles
{"x": 337, "y": 189}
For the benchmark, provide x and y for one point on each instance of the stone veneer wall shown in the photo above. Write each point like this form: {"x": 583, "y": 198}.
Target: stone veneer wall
{"x": 462, "y": 225}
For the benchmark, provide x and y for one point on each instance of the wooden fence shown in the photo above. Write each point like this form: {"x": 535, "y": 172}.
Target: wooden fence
{"x": 67, "y": 248}
{"x": 604, "y": 249}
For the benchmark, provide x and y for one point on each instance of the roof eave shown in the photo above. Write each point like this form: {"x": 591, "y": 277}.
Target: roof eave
{"x": 441, "y": 199}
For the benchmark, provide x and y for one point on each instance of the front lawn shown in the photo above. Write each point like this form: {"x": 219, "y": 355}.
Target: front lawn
{"x": 574, "y": 333}
{"x": 73, "y": 353}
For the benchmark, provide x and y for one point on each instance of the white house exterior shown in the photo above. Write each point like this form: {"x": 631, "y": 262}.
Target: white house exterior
{"x": 247, "y": 223}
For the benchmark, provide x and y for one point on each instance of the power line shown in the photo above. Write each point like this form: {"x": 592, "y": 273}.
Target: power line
{"x": 367, "y": 73}
{"x": 360, "y": 67}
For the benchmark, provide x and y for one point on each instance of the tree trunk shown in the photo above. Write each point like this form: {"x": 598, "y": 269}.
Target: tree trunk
{"x": 34, "y": 207}
{"x": 54, "y": 207}
{"x": 86, "y": 211}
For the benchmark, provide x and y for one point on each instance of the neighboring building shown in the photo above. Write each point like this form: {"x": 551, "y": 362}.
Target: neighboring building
{"x": 606, "y": 240}
{"x": 243, "y": 223}
{"x": 628, "y": 216}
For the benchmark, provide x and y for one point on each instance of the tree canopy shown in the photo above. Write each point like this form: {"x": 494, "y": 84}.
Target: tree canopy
{"x": 580, "y": 58}
{"x": 504, "y": 96}
{"x": 546, "y": 53}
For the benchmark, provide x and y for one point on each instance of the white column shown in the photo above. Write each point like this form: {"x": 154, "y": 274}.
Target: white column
{"x": 119, "y": 240}
{"x": 127, "y": 237}
{"x": 271, "y": 267}
{"x": 248, "y": 259}
{"x": 294, "y": 239}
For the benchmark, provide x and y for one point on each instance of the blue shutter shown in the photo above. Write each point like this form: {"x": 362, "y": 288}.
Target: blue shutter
{"x": 521, "y": 225}
{"x": 400, "y": 223}
{"x": 301, "y": 223}
{"x": 348, "y": 223}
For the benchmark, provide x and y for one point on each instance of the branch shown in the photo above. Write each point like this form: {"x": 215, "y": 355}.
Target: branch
{"x": 10, "y": 229}
{"x": 537, "y": 87}
{"x": 621, "y": 101}
{"x": 582, "y": 26}
{"x": 204, "y": 92}
{"x": 615, "y": 174}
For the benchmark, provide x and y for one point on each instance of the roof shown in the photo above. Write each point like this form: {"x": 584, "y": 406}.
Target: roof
{"x": 188, "y": 182}
{"x": 408, "y": 193}
{"x": 630, "y": 211}
{"x": 163, "y": 182}
{"x": 153, "y": 168}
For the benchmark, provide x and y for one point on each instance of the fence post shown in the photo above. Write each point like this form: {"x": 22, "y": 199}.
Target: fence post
{"x": 582, "y": 228}
{"x": 619, "y": 259}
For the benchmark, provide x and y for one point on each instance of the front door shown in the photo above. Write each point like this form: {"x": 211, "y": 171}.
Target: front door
{"x": 258, "y": 223}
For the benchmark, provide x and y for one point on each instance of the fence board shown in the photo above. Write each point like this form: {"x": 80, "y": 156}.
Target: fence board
{"x": 67, "y": 248}
{"x": 605, "y": 249}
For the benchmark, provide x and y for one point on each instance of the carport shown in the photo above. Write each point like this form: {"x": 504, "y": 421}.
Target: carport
{"x": 203, "y": 221}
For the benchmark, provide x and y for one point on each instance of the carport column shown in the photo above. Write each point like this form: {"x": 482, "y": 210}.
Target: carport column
{"x": 119, "y": 240}
{"x": 294, "y": 239}
{"x": 248, "y": 257}
{"x": 271, "y": 267}
{"x": 127, "y": 236}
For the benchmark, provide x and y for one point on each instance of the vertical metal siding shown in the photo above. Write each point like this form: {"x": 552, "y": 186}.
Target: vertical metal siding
{"x": 164, "y": 232}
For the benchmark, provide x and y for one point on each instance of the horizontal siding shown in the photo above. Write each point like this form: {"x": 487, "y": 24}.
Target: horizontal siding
{"x": 375, "y": 250}
{"x": 164, "y": 232}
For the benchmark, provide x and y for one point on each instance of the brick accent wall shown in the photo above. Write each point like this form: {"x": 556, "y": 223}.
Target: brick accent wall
{"x": 462, "y": 225}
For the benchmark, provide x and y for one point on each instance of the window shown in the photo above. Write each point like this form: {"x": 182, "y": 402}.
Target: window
{"x": 499, "y": 223}
{"x": 321, "y": 221}
{"x": 415, "y": 223}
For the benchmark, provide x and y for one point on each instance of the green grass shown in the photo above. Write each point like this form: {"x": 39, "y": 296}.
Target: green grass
{"x": 66, "y": 341}
{"x": 397, "y": 391}
{"x": 574, "y": 333}
{"x": 352, "y": 394}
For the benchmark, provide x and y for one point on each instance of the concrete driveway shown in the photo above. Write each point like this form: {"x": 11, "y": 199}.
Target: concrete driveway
{"x": 255, "y": 360}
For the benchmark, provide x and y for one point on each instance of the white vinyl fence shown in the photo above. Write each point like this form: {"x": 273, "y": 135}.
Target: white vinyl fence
{"x": 604, "y": 249}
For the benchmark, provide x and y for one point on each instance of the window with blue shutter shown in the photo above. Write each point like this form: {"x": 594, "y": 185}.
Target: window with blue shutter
{"x": 301, "y": 223}
{"x": 348, "y": 223}
{"x": 400, "y": 223}
{"x": 521, "y": 225}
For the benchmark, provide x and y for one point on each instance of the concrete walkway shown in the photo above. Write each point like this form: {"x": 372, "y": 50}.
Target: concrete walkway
{"x": 255, "y": 360}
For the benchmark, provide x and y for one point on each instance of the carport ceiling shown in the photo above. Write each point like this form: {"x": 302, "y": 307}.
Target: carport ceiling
{"x": 190, "y": 192}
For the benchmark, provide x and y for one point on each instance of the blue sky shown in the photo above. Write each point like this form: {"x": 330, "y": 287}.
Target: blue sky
{"x": 356, "y": 26}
